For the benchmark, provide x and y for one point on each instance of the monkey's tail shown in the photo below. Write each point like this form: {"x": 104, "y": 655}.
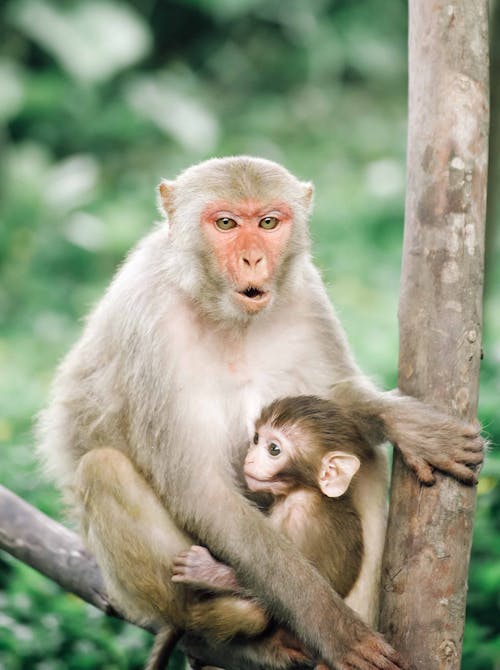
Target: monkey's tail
{"x": 163, "y": 646}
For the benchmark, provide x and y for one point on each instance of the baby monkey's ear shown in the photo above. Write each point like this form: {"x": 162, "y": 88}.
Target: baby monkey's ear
{"x": 337, "y": 470}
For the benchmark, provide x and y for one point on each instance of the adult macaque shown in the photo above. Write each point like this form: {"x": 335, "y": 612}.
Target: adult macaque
{"x": 215, "y": 314}
{"x": 304, "y": 454}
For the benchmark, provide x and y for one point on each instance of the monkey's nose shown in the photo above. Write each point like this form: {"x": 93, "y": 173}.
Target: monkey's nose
{"x": 253, "y": 267}
{"x": 251, "y": 259}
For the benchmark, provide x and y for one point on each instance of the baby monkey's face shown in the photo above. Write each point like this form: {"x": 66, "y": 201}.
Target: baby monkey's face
{"x": 286, "y": 458}
{"x": 268, "y": 462}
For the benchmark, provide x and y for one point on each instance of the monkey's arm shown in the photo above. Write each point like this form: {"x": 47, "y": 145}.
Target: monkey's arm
{"x": 122, "y": 511}
{"x": 292, "y": 591}
{"x": 426, "y": 437}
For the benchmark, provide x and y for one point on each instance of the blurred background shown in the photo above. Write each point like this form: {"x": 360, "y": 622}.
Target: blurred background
{"x": 99, "y": 100}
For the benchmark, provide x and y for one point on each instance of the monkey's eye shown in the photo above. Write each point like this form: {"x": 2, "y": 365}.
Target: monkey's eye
{"x": 274, "y": 449}
{"x": 256, "y": 438}
{"x": 269, "y": 222}
{"x": 225, "y": 223}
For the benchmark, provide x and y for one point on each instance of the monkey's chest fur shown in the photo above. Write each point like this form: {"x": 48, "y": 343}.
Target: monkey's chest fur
{"x": 222, "y": 380}
{"x": 327, "y": 531}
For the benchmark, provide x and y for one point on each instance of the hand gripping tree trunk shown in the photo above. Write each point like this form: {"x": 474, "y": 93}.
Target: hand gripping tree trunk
{"x": 430, "y": 529}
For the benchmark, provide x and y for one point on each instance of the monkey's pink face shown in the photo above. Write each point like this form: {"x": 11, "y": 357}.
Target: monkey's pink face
{"x": 266, "y": 462}
{"x": 248, "y": 240}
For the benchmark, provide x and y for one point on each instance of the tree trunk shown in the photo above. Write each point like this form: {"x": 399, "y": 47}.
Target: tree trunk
{"x": 427, "y": 550}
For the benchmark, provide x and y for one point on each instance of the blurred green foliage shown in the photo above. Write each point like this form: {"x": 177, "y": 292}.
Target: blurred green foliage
{"x": 99, "y": 100}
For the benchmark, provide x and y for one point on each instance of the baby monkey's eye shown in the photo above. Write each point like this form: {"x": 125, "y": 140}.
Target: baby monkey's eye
{"x": 256, "y": 438}
{"x": 274, "y": 449}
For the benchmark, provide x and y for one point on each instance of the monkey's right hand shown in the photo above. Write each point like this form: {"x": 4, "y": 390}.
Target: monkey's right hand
{"x": 360, "y": 648}
{"x": 372, "y": 652}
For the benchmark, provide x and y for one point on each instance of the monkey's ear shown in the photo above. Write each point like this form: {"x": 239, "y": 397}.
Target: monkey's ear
{"x": 166, "y": 197}
{"x": 308, "y": 190}
{"x": 337, "y": 470}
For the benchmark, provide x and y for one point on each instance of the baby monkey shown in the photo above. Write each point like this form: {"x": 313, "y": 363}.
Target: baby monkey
{"x": 305, "y": 453}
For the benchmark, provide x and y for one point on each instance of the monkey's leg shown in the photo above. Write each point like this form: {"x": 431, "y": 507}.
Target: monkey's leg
{"x": 221, "y": 618}
{"x": 132, "y": 536}
{"x": 134, "y": 540}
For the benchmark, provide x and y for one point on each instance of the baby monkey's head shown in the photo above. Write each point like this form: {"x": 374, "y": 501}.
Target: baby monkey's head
{"x": 304, "y": 442}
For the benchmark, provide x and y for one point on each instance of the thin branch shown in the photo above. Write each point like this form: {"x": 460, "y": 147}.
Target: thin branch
{"x": 47, "y": 546}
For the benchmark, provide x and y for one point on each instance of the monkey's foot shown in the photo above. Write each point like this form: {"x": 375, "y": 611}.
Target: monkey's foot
{"x": 197, "y": 568}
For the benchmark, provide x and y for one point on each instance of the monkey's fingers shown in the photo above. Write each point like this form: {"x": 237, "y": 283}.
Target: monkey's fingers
{"x": 476, "y": 441}
{"x": 195, "y": 555}
{"x": 297, "y": 656}
{"x": 462, "y": 472}
{"x": 471, "y": 429}
{"x": 373, "y": 654}
{"x": 180, "y": 569}
{"x": 182, "y": 574}
{"x": 420, "y": 467}
{"x": 290, "y": 646}
{"x": 425, "y": 473}
{"x": 181, "y": 558}
{"x": 460, "y": 462}
{"x": 474, "y": 445}
{"x": 362, "y": 664}
{"x": 470, "y": 457}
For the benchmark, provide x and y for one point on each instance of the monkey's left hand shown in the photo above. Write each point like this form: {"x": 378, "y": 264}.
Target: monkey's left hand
{"x": 429, "y": 439}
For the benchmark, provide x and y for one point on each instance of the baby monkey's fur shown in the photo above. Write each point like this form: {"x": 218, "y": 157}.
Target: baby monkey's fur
{"x": 327, "y": 530}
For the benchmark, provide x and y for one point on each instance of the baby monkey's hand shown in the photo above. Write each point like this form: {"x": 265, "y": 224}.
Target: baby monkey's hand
{"x": 198, "y": 569}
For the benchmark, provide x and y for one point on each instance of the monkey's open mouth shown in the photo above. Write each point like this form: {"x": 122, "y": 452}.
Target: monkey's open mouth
{"x": 252, "y": 299}
{"x": 253, "y": 293}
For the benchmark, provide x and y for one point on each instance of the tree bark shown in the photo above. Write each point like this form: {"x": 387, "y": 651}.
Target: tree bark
{"x": 426, "y": 560}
